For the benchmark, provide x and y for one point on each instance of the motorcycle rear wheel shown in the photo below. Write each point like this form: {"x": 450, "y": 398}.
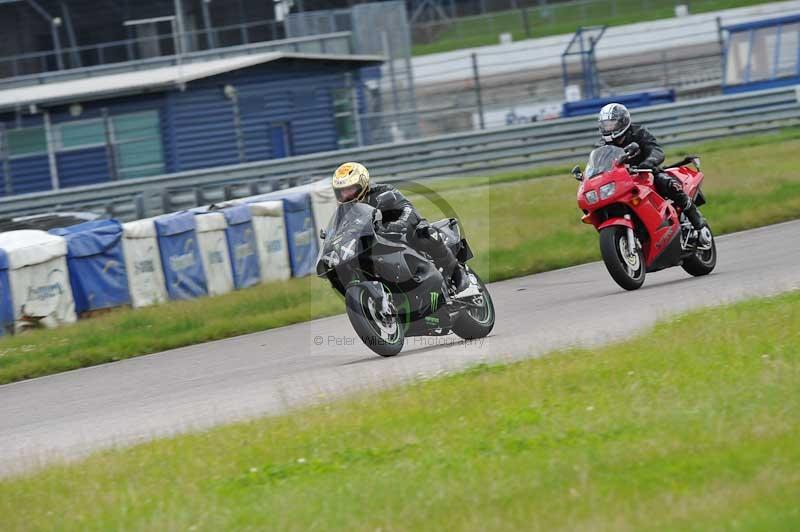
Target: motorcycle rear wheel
{"x": 703, "y": 262}
{"x": 382, "y": 334}
{"x": 627, "y": 270}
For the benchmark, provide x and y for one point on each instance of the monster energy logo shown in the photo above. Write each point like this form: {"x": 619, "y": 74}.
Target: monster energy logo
{"x": 434, "y": 300}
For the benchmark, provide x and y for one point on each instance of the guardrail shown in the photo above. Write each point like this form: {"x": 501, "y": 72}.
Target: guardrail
{"x": 329, "y": 43}
{"x": 471, "y": 153}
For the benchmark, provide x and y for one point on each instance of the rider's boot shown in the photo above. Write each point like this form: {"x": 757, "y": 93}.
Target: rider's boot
{"x": 460, "y": 278}
{"x": 443, "y": 258}
{"x": 699, "y": 223}
{"x": 454, "y": 271}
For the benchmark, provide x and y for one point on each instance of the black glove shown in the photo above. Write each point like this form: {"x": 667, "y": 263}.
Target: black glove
{"x": 423, "y": 230}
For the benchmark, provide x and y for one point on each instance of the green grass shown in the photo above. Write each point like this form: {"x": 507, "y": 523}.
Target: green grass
{"x": 557, "y": 19}
{"x": 693, "y": 426}
{"x": 516, "y": 225}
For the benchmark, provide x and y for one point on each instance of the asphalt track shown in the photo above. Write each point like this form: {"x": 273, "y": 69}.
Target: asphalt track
{"x": 73, "y": 413}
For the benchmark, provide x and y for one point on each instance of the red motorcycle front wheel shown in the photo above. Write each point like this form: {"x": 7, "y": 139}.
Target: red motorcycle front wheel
{"x": 627, "y": 269}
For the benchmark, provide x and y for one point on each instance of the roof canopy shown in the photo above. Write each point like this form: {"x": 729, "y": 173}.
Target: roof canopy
{"x": 163, "y": 78}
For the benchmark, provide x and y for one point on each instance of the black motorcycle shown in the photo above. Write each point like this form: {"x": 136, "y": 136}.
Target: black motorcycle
{"x": 392, "y": 291}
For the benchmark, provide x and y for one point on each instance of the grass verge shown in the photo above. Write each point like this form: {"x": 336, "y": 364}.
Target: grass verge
{"x": 516, "y": 225}
{"x": 652, "y": 433}
{"x": 557, "y": 19}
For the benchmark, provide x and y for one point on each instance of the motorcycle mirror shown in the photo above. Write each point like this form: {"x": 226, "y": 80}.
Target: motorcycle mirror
{"x": 696, "y": 162}
{"x": 631, "y": 148}
{"x": 322, "y": 234}
{"x": 576, "y": 172}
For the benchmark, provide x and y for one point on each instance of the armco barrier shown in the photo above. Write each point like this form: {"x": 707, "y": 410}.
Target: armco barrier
{"x": 180, "y": 256}
{"x": 96, "y": 265}
{"x": 242, "y": 246}
{"x": 547, "y": 142}
{"x": 213, "y": 242}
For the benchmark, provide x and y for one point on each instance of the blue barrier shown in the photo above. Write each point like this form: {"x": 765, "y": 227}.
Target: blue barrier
{"x": 632, "y": 101}
{"x": 300, "y": 233}
{"x": 180, "y": 256}
{"x": 242, "y": 246}
{"x": 6, "y": 307}
{"x": 96, "y": 264}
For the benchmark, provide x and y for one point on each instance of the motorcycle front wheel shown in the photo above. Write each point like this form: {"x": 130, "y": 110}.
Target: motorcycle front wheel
{"x": 476, "y": 321}
{"x": 628, "y": 270}
{"x": 381, "y": 332}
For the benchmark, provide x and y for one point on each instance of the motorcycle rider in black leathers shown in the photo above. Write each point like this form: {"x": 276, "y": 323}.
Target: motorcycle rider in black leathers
{"x": 616, "y": 129}
{"x": 351, "y": 182}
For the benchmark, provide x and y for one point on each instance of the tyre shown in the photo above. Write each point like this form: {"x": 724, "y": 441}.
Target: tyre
{"x": 381, "y": 332}
{"x": 628, "y": 270}
{"x": 702, "y": 262}
{"x": 478, "y": 320}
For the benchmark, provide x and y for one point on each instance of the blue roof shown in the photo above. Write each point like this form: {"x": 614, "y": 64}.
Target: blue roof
{"x": 766, "y": 23}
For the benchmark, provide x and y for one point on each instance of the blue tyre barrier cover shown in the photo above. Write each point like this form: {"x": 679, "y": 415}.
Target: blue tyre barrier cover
{"x": 6, "y": 308}
{"x": 300, "y": 233}
{"x": 242, "y": 246}
{"x": 96, "y": 264}
{"x": 180, "y": 256}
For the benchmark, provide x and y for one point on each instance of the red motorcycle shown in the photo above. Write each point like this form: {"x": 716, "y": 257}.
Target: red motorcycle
{"x": 640, "y": 231}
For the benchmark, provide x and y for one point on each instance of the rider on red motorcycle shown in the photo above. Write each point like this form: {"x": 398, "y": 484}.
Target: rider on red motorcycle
{"x": 614, "y": 122}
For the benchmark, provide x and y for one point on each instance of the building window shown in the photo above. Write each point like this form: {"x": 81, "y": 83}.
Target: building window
{"x": 345, "y": 120}
{"x": 137, "y": 139}
{"x": 81, "y": 134}
{"x": 29, "y": 141}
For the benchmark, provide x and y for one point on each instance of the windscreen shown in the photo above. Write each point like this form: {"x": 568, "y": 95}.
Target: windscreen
{"x": 602, "y": 159}
{"x": 343, "y": 237}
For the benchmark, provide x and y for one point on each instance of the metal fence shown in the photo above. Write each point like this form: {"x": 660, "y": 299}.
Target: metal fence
{"x": 459, "y": 24}
{"x": 331, "y": 43}
{"x": 557, "y": 141}
{"x": 168, "y": 43}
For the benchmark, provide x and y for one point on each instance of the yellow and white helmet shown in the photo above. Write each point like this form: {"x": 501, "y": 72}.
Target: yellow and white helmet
{"x": 350, "y": 182}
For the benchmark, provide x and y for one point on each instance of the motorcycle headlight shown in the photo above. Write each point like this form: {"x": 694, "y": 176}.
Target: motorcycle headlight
{"x": 591, "y": 196}
{"x": 607, "y": 190}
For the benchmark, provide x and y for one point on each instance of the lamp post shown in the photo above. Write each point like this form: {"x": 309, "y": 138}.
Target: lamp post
{"x": 232, "y": 94}
{"x": 55, "y": 24}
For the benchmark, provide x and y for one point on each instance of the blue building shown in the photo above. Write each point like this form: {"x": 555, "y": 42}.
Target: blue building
{"x": 182, "y": 117}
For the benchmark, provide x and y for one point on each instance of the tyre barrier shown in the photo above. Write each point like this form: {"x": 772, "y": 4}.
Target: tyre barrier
{"x": 51, "y": 278}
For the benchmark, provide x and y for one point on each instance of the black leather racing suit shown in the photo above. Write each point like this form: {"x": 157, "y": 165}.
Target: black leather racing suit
{"x": 400, "y": 216}
{"x": 651, "y": 155}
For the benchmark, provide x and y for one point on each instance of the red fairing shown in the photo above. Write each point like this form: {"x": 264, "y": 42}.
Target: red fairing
{"x": 641, "y": 206}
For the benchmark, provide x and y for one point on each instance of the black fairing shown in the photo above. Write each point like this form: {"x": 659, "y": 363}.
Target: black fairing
{"x": 354, "y": 252}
